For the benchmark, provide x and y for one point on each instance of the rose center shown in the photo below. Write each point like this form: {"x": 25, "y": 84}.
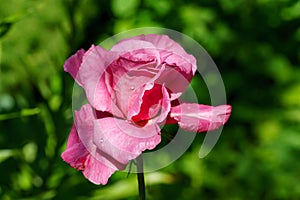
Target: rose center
{"x": 145, "y": 116}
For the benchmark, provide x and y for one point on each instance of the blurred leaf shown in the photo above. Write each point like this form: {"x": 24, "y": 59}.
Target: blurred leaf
{"x": 122, "y": 9}
{"x": 7, "y": 22}
{"x": 6, "y": 102}
{"x": 6, "y": 153}
{"x": 291, "y": 12}
{"x": 291, "y": 96}
{"x": 29, "y": 152}
{"x": 23, "y": 113}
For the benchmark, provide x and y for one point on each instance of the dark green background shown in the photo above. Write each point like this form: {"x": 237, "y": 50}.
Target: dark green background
{"x": 255, "y": 44}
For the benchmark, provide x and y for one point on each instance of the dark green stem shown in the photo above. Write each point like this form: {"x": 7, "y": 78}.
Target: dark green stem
{"x": 140, "y": 177}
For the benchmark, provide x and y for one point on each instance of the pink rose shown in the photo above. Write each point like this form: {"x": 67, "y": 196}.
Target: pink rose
{"x": 131, "y": 89}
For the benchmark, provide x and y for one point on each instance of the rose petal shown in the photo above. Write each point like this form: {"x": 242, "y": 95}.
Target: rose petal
{"x": 150, "y": 99}
{"x": 131, "y": 45}
{"x": 174, "y": 80}
{"x": 151, "y": 104}
{"x": 200, "y": 118}
{"x": 127, "y": 86}
{"x": 170, "y": 47}
{"x": 130, "y": 72}
{"x": 169, "y": 51}
{"x": 73, "y": 63}
{"x": 84, "y": 122}
{"x": 92, "y": 76}
{"x": 77, "y": 156}
{"x": 97, "y": 172}
{"x": 136, "y": 100}
{"x": 75, "y": 153}
{"x": 124, "y": 141}
{"x": 165, "y": 106}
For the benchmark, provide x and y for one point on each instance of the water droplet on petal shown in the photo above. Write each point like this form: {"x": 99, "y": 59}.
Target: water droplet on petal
{"x": 101, "y": 141}
{"x": 132, "y": 88}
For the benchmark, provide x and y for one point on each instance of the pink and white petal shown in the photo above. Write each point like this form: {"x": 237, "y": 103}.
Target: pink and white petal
{"x": 200, "y": 118}
{"x": 73, "y": 63}
{"x": 124, "y": 141}
{"x": 92, "y": 76}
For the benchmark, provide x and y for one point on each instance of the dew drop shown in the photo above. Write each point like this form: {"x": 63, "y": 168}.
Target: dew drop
{"x": 101, "y": 141}
{"x": 132, "y": 88}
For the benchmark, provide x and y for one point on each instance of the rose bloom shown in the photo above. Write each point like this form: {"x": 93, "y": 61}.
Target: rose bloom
{"x": 132, "y": 90}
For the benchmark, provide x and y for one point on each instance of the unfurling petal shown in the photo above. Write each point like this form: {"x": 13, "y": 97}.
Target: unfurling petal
{"x": 200, "y": 118}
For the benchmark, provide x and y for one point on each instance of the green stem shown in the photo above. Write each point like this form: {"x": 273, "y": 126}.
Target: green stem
{"x": 23, "y": 113}
{"x": 140, "y": 177}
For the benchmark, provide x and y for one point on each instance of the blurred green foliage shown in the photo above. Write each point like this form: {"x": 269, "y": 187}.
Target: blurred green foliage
{"x": 255, "y": 44}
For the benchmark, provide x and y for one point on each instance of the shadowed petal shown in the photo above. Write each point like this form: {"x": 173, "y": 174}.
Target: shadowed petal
{"x": 200, "y": 118}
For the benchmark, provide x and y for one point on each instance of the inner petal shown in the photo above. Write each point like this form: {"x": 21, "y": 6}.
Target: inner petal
{"x": 150, "y": 107}
{"x": 126, "y": 84}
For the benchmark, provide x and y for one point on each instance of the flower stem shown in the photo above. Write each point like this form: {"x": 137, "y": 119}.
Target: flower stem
{"x": 140, "y": 177}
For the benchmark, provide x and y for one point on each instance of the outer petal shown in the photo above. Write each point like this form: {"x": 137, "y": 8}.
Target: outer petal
{"x": 77, "y": 156}
{"x": 175, "y": 80}
{"x": 170, "y": 52}
{"x": 200, "y": 118}
{"x": 92, "y": 75}
{"x": 169, "y": 46}
{"x": 75, "y": 153}
{"x": 132, "y": 44}
{"x": 124, "y": 141}
{"x": 97, "y": 172}
{"x": 73, "y": 63}
{"x": 84, "y": 121}
{"x": 180, "y": 66}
